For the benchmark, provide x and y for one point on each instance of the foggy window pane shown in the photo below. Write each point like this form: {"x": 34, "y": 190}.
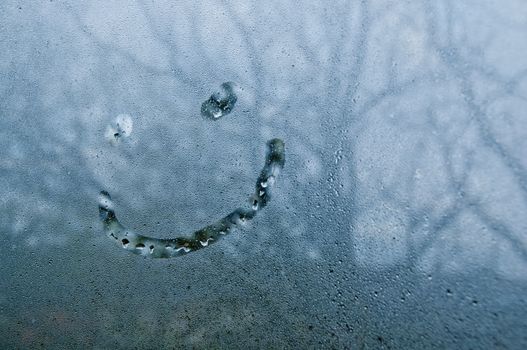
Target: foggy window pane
{"x": 246, "y": 174}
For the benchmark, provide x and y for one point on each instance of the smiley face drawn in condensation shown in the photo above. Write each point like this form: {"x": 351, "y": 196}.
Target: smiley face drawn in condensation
{"x": 172, "y": 247}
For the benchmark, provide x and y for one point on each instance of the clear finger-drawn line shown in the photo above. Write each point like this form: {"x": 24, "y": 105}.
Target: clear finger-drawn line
{"x": 166, "y": 248}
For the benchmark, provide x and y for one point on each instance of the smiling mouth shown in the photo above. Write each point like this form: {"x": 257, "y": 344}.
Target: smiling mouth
{"x": 171, "y": 247}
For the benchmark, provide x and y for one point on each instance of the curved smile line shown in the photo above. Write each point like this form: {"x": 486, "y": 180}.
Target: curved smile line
{"x": 166, "y": 248}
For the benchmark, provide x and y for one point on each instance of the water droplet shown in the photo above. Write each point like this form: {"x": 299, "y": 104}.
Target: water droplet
{"x": 338, "y": 156}
{"x": 105, "y": 200}
{"x": 124, "y": 124}
{"x": 125, "y": 242}
{"x": 217, "y": 114}
{"x": 221, "y": 102}
{"x": 205, "y": 243}
{"x": 121, "y": 127}
{"x": 241, "y": 221}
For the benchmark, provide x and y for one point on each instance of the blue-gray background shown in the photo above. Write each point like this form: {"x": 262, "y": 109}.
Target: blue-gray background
{"x": 399, "y": 220}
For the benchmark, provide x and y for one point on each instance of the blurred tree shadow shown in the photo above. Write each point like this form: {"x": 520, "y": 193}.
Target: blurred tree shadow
{"x": 395, "y": 167}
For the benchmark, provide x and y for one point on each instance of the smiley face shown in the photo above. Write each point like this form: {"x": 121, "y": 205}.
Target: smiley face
{"x": 218, "y": 105}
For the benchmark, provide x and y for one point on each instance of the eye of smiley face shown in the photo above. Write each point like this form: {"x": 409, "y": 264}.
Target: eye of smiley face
{"x": 218, "y": 105}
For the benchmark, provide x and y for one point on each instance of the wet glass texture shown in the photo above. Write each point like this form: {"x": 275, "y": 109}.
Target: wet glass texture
{"x": 290, "y": 175}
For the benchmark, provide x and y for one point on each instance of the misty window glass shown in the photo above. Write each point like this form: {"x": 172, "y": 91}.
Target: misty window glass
{"x": 300, "y": 175}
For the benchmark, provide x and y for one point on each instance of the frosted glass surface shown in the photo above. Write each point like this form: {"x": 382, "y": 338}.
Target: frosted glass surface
{"x": 399, "y": 219}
